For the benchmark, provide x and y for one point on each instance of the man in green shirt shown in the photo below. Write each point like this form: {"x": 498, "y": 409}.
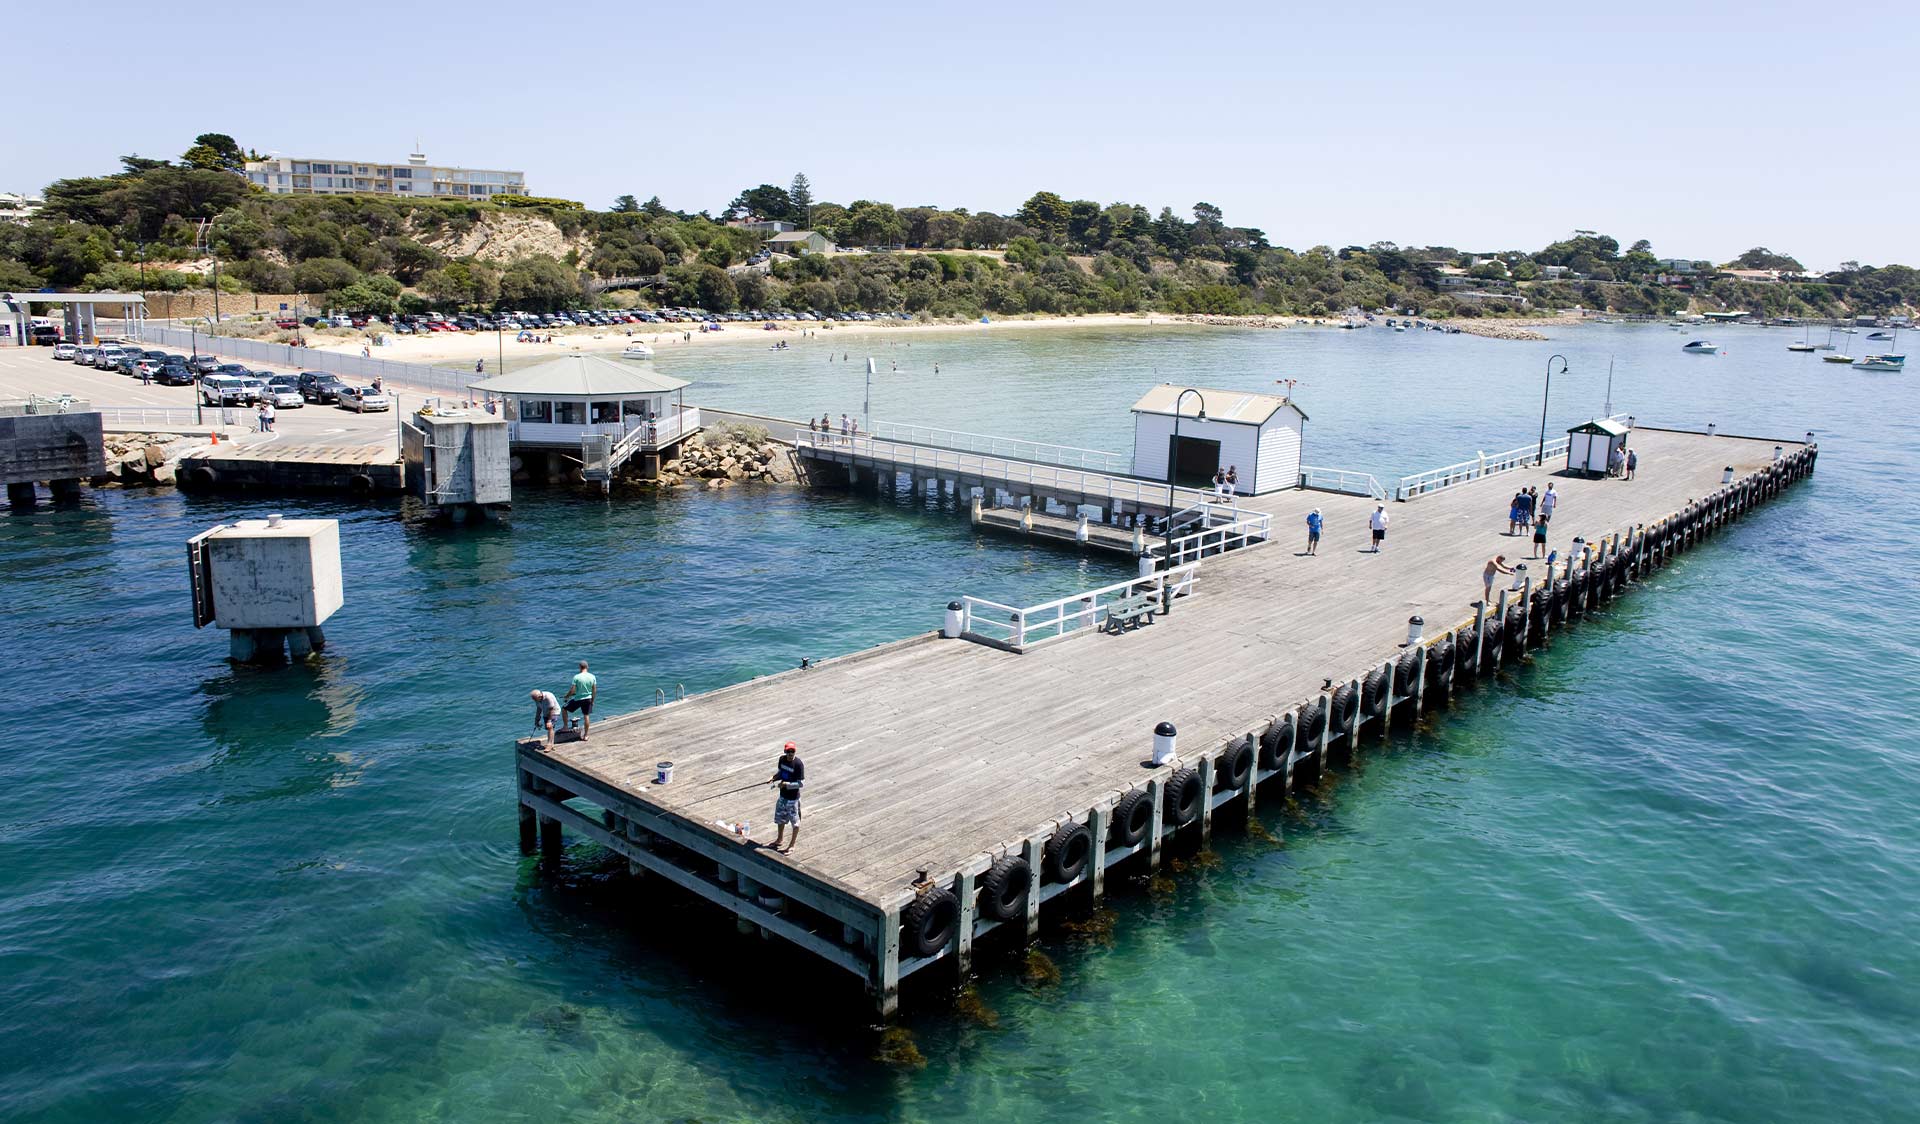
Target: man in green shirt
{"x": 580, "y": 697}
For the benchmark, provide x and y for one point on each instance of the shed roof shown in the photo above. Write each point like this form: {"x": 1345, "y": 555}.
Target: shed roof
{"x": 794, "y": 236}
{"x": 1236, "y": 407}
{"x": 580, "y": 376}
{"x": 74, "y": 298}
{"x": 1601, "y": 425}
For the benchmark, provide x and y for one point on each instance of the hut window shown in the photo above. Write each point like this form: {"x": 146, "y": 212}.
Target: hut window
{"x": 535, "y": 411}
{"x": 570, "y": 413}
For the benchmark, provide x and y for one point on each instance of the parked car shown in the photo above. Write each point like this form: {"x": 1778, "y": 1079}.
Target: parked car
{"x": 318, "y": 386}
{"x": 146, "y": 368}
{"x": 65, "y": 350}
{"x": 106, "y": 357}
{"x": 360, "y": 399}
{"x": 284, "y": 391}
{"x": 231, "y": 370}
{"x": 226, "y": 390}
{"x": 174, "y": 374}
{"x": 204, "y": 364}
{"x": 44, "y": 335}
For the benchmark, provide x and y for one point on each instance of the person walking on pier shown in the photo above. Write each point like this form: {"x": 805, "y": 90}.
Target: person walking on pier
{"x": 1314, "y": 524}
{"x": 789, "y": 773}
{"x": 1549, "y": 500}
{"x": 1540, "y": 536}
{"x": 1496, "y": 566}
{"x": 546, "y": 711}
{"x": 1232, "y": 482}
{"x": 1633, "y": 463}
{"x": 580, "y": 696}
{"x": 1378, "y": 521}
{"x": 1513, "y": 513}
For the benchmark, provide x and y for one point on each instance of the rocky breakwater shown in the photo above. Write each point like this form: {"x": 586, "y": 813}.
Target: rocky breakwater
{"x": 144, "y": 459}
{"x": 725, "y": 461}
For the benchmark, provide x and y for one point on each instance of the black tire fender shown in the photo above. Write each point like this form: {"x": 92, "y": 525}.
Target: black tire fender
{"x": 1276, "y": 745}
{"x": 1346, "y": 707}
{"x": 1132, "y": 817}
{"x": 1185, "y": 796}
{"x": 1230, "y": 773}
{"x": 927, "y": 924}
{"x": 1373, "y": 693}
{"x": 1003, "y": 888}
{"x": 1067, "y": 853}
{"x": 1406, "y": 673}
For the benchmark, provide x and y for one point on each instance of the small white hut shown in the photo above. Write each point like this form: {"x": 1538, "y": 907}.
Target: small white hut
{"x": 1591, "y": 445}
{"x": 1258, "y": 435}
{"x": 558, "y": 402}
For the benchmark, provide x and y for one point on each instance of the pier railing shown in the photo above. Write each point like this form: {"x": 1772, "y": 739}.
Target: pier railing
{"x": 163, "y": 417}
{"x": 1040, "y": 452}
{"x": 1234, "y": 530}
{"x": 997, "y": 470}
{"x": 1322, "y": 479}
{"x": 1486, "y": 464}
{"x": 1023, "y": 628}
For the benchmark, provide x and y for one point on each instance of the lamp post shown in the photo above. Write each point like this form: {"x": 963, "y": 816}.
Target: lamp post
{"x": 1541, "y": 456}
{"x": 1173, "y": 461}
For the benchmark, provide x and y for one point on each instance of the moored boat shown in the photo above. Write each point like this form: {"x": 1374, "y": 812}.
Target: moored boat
{"x": 1883, "y": 363}
{"x": 1701, "y": 347}
{"x": 637, "y": 350}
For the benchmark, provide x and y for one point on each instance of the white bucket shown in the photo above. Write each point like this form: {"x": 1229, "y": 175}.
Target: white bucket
{"x": 662, "y": 772}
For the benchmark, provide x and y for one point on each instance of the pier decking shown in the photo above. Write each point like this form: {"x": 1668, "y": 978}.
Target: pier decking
{"x": 958, "y": 759}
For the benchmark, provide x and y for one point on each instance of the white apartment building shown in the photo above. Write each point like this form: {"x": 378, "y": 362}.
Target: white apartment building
{"x": 285, "y": 175}
{"x": 19, "y": 208}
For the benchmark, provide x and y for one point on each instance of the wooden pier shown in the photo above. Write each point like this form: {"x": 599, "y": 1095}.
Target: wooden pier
{"x": 955, "y": 788}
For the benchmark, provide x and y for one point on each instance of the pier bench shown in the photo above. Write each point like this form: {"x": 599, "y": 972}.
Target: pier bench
{"x": 1130, "y": 611}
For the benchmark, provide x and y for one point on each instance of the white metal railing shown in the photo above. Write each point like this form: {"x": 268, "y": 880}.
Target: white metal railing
{"x": 1059, "y": 478}
{"x": 1485, "y": 464}
{"x": 45, "y": 404}
{"x": 1324, "y": 479}
{"x": 155, "y": 415}
{"x": 1250, "y": 529}
{"x": 602, "y": 454}
{"x": 1013, "y": 448}
{"x": 1077, "y": 614}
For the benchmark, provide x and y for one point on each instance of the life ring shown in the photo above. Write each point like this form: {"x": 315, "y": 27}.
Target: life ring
{"x": 1234, "y": 767}
{"x": 1373, "y": 693}
{"x": 1185, "y": 797}
{"x": 1406, "y": 673}
{"x": 1003, "y": 889}
{"x": 1346, "y": 707}
{"x": 1067, "y": 853}
{"x": 1276, "y": 745}
{"x": 1132, "y": 816}
{"x": 928, "y": 922}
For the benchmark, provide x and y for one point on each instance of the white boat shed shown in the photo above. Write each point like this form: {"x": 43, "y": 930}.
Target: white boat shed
{"x": 1257, "y": 435}
{"x": 558, "y": 402}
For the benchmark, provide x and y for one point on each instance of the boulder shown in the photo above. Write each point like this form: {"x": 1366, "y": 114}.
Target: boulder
{"x": 155, "y": 455}
{"x": 163, "y": 473}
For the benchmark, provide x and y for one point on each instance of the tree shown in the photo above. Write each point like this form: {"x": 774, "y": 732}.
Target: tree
{"x": 765, "y": 201}
{"x": 136, "y": 164}
{"x": 323, "y": 275}
{"x": 215, "y": 152}
{"x": 540, "y": 283}
{"x": 1047, "y": 215}
{"x": 626, "y": 205}
{"x": 872, "y": 224}
{"x": 800, "y": 195}
{"x": 1762, "y": 258}
{"x": 1641, "y": 247}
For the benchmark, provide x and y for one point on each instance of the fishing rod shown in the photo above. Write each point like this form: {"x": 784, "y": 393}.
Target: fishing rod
{"x": 729, "y": 792}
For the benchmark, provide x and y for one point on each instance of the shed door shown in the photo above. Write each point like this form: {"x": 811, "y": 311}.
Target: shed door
{"x": 1192, "y": 461}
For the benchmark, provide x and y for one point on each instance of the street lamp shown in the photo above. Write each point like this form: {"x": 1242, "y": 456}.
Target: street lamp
{"x": 1173, "y": 461}
{"x": 1541, "y": 456}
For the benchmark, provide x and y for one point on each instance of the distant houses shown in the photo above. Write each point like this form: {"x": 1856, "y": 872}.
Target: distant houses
{"x": 797, "y": 242}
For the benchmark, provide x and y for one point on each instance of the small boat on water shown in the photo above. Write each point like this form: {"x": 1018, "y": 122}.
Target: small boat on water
{"x": 637, "y": 350}
{"x": 1701, "y": 347}
{"x": 1800, "y": 347}
{"x": 1878, "y": 336}
{"x": 1883, "y": 363}
{"x": 1836, "y": 357}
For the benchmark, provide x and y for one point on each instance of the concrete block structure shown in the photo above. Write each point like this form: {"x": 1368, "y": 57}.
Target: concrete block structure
{"x": 61, "y": 449}
{"x": 270, "y": 582}
{"x": 459, "y": 461}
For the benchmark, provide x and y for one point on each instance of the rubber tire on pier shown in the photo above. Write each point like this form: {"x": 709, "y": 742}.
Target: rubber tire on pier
{"x": 1490, "y": 646}
{"x": 1311, "y": 739}
{"x": 1406, "y": 671}
{"x": 1003, "y": 888}
{"x": 361, "y": 484}
{"x": 1346, "y": 708}
{"x": 1373, "y": 693}
{"x": 1230, "y": 773}
{"x": 927, "y": 924}
{"x": 1276, "y": 745}
{"x": 1537, "y": 615}
{"x": 1561, "y": 590}
{"x": 1516, "y": 628}
{"x": 197, "y": 477}
{"x": 1132, "y": 818}
{"x": 1603, "y": 585}
{"x": 1440, "y": 660}
{"x": 1466, "y": 658}
{"x": 1186, "y": 796}
{"x": 1067, "y": 853}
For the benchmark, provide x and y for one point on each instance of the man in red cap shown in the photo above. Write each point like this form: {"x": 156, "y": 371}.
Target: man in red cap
{"x": 789, "y": 773}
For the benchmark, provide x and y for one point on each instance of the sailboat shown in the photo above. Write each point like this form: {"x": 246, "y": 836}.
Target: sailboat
{"x": 1836, "y": 356}
{"x": 1806, "y": 342}
{"x": 1828, "y": 346}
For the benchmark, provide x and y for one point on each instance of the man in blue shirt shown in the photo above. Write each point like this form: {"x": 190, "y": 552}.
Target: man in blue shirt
{"x": 789, "y": 773}
{"x": 1313, "y": 531}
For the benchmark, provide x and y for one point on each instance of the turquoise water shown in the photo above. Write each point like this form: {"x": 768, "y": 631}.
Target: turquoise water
{"x": 1665, "y": 871}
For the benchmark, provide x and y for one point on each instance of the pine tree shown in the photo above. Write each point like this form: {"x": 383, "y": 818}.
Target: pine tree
{"x": 801, "y": 192}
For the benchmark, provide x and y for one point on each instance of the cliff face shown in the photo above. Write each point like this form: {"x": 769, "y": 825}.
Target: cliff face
{"x": 503, "y": 237}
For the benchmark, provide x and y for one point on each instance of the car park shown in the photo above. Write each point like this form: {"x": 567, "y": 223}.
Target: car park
{"x": 360, "y": 399}
{"x": 319, "y": 386}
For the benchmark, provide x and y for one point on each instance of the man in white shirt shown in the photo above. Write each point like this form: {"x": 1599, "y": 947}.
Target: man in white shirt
{"x": 1549, "y": 500}
{"x": 1378, "y": 521}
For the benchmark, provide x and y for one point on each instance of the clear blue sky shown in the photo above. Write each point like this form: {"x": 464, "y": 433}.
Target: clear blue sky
{"x": 1705, "y": 128}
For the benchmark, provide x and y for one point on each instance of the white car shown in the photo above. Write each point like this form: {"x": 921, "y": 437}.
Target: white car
{"x": 65, "y": 350}
{"x": 360, "y": 399}
{"x": 284, "y": 392}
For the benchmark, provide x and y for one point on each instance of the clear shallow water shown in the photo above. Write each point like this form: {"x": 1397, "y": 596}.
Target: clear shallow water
{"x": 1666, "y": 871}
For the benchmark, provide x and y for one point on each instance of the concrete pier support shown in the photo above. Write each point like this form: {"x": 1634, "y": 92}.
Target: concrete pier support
{"x": 64, "y": 491}
{"x": 22, "y": 495}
